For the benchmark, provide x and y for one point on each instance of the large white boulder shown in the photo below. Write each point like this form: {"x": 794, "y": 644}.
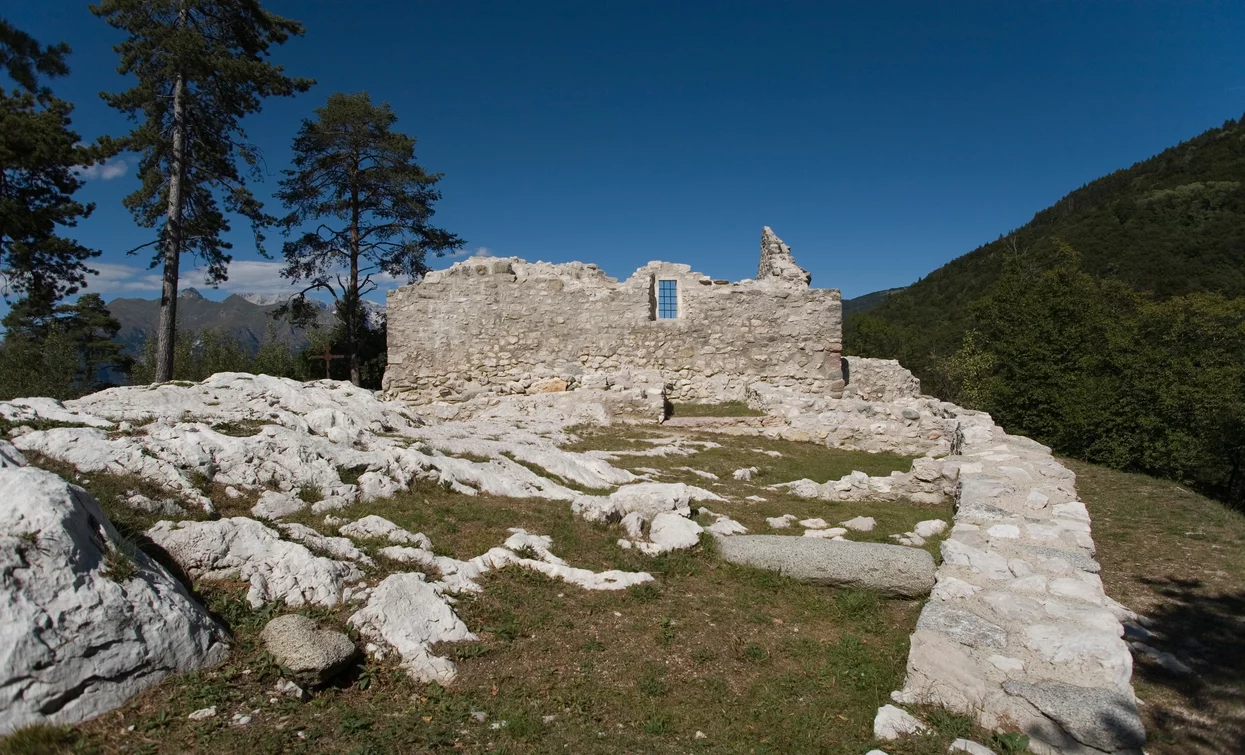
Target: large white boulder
{"x": 86, "y": 619}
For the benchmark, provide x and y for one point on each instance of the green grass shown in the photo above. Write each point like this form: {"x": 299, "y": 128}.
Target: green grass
{"x": 1179, "y": 558}
{"x": 40, "y": 740}
{"x": 724, "y": 409}
{"x": 242, "y": 428}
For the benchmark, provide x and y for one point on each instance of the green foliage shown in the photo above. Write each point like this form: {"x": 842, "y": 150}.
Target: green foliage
{"x": 200, "y": 67}
{"x": 200, "y": 355}
{"x": 1127, "y": 351}
{"x": 58, "y": 353}
{"x": 357, "y": 182}
{"x": 39, "y": 153}
{"x": 1104, "y": 373}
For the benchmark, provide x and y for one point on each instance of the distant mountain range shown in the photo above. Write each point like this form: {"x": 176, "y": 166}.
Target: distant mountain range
{"x": 247, "y": 318}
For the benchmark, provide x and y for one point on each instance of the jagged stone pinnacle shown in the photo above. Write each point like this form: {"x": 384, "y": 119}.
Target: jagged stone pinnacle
{"x": 777, "y": 262}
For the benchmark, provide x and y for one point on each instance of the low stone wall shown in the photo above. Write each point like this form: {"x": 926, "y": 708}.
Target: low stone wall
{"x": 1018, "y": 631}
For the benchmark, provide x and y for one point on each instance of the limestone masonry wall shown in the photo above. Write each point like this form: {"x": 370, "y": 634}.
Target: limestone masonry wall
{"x": 503, "y": 325}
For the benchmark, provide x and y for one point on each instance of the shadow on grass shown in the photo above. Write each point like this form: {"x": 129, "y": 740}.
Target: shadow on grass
{"x": 1206, "y": 632}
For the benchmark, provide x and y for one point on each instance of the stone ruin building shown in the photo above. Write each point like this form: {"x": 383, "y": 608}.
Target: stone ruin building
{"x": 504, "y": 325}
{"x": 1017, "y": 632}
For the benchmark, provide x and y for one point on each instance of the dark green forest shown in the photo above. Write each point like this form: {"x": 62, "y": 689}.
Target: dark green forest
{"x": 1111, "y": 326}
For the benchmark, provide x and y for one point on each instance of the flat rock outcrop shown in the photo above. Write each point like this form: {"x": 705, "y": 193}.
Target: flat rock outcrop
{"x": 888, "y": 569}
{"x": 88, "y": 620}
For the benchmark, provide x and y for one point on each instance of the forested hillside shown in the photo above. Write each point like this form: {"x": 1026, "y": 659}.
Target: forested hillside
{"x": 1111, "y": 326}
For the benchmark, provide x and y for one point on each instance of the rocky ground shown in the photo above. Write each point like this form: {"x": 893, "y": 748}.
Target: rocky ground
{"x": 305, "y": 567}
{"x": 520, "y": 575}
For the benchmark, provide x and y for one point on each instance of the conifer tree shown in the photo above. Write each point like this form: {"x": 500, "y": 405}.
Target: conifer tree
{"x": 357, "y": 181}
{"x": 38, "y": 154}
{"x": 201, "y": 66}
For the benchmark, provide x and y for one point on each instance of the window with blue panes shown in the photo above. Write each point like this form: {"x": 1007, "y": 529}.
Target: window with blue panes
{"x": 667, "y": 300}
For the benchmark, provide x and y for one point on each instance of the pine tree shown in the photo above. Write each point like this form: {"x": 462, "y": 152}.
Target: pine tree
{"x": 201, "y": 65}
{"x": 38, "y": 154}
{"x": 92, "y": 329}
{"x": 357, "y": 180}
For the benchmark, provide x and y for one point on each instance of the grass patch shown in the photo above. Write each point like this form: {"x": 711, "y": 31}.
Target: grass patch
{"x": 39, "y": 740}
{"x": 242, "y": 428}
{"x": 723, "y": 409}
{"x": 1178, "y": 558}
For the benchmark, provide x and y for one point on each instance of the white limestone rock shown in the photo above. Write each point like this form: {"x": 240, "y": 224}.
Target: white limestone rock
{"x": 241, "y": 548}
{"x": 274, "y": 505}
{"x": 633, "y": 525}
{"x": 407, "y": 614}
{"x": 780, "y": 522}
{"x": 969, "y": 746}
{"x": 861, "y": 524}
{"x": 90, "y": 451}
{"x": 892, "y": 723}
{"x": 374, "y": 527}
{"x": 670, "y": 532}
{"x": 724, "y": 525}
{"x": 833, "y": 533}
{"x": 77, "y": 639}
{"x": 804, "y": 488}
{"x": 10, "y": 456}
{"x": 930, "y": 527}
{"x": 814, "y": 524}
{"x": 32, "y": 409}
{"x": 340, "y": 548}
{"x": 140, "y": 502}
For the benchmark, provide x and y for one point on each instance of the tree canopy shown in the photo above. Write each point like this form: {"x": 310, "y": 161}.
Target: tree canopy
{"x": 359, "y": 205}
{"x": 1111, "y": 327}
{"x": 201, "y": 67}
{"x": 39, "y": 152}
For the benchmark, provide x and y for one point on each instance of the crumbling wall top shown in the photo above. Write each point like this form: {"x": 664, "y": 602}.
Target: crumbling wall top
{"x": 777, "y": 264}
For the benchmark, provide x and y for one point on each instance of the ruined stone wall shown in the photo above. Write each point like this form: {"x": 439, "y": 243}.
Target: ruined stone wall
{"x": 509, "y": 326}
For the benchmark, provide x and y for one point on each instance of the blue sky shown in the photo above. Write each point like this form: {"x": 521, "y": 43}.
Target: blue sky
{"x": 878, "y": 139}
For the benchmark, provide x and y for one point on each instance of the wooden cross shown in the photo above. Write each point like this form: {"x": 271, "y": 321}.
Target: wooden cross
{"x": 328, "y": 356}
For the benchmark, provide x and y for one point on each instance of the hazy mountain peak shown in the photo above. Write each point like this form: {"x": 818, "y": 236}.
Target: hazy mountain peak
{"x": 190, "y": 293}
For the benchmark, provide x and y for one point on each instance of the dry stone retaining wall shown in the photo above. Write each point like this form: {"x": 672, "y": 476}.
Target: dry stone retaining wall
{"x": 1018, "y": 631}
{"x": 508, "y": 326}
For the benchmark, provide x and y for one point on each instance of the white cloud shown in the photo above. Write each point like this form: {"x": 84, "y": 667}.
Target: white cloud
{"x": 245, "y": 277}
{"x": 122, "y": 279}
{"x": 480, "y": 251}
{"x": 113, "y": 167}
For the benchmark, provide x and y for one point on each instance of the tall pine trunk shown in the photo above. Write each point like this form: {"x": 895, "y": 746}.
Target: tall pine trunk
{"x": 352, "y": 301}
{"x": 166, "y": 330}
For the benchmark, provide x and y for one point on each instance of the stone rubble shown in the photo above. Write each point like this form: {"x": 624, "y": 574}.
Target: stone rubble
{"x": 1018, "y": 624}
{"x": 1017, "y": 630}
{"x": 495, "y": 326}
